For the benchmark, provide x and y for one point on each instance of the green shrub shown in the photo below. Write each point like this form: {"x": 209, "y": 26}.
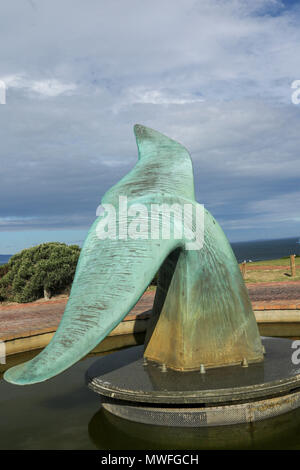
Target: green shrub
{"x": 48, "y": 267}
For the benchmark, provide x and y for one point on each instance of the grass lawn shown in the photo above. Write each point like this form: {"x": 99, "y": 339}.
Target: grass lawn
{"x": 272, "y": 275}
{"x": 278, "y": 275}
{"x": 276, "y": 262}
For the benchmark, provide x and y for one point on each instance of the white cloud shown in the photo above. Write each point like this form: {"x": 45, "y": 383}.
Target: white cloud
{"x": 45, "y": 87}
{"x": 52, "y": 87}
{"x": 284, "y": 206}
{"x": 148, "y": 96}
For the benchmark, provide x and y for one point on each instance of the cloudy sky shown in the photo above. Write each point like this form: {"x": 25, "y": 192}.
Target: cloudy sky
{"x": 215, "y": 75}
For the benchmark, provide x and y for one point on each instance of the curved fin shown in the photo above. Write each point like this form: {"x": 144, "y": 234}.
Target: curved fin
{"x": 153, "y": 144}
{"x": 110, "y": 278}
{"x": 164, "y": 167}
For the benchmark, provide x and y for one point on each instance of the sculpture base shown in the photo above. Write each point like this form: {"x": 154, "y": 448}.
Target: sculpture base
{"x": 144, "y": 392}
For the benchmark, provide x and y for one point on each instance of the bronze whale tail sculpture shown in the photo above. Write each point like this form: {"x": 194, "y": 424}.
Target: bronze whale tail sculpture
{"x": 201, "y": 315}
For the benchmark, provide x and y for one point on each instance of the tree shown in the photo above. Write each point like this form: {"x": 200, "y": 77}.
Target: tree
{"x": 43, "y": 270}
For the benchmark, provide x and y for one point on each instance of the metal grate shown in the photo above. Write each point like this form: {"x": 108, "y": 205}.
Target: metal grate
{"x": 207, "y": 416}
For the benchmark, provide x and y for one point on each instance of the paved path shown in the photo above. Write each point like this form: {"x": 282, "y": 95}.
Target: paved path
{"x": 44, "y": 316}
{"x": 276, "y": 294}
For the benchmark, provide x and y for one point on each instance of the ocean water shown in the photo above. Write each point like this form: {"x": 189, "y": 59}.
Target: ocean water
{"x": 257, "y": 250}
{"x": 4, "y": 258}
{"x": 260, "y": 250}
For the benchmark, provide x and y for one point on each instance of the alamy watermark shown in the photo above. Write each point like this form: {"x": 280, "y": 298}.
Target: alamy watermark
{"x": 2, "y": 352}
{"x": 296, "y": 94}
{"x": 152, "y": 221}
{"x": 296, "y": 354}
{"x": 2, "y": 92}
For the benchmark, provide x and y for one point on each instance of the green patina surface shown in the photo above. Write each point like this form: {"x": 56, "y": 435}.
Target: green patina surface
{"x": 202, "y": 313}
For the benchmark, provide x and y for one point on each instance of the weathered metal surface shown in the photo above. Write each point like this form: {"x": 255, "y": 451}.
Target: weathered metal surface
{"x": 129, "y": 380}
{"x": 206, "y": 316}
{"x": 202, "y": 313}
